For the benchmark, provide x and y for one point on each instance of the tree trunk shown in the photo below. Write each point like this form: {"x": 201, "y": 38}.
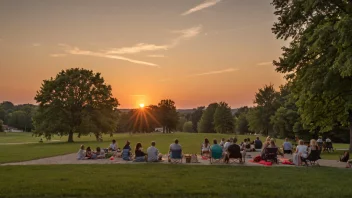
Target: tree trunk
{"x": 350, "y": 122}
{"x": 70, "y": 136}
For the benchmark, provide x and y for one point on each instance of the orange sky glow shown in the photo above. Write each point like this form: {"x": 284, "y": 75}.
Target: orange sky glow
{"x": 194, "y": 52}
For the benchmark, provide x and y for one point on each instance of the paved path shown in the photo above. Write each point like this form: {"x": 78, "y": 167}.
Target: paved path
{"x": 71, "y": 159}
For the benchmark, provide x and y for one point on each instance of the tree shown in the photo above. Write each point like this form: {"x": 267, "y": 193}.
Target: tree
{"x": 18, "y": 119}
{"x": 241, "y": 124}
{"x": 223, "y": 120}
{"x": 196, "y": 116}
{"x": 168, "y": 116}
{"x": 267, "y": 104}
{"x": 206, "y": 123}
{"x": 318, "y": 59}
{"x": 76, "y": 101}
{"x": 1, "y": 126}
{"x": 188, "y": 127}
{"x": 182, "y": 120}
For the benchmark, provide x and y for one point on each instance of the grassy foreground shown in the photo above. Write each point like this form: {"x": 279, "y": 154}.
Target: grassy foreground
{"x": 191, "y": 143}
{"x": 157, "y": 180}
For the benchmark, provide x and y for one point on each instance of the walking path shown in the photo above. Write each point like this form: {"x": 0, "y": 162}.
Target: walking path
{"x": 71, "y": 159}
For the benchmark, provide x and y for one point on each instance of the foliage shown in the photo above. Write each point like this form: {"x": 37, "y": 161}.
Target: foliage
{"x": 1, "y": 126}
{"x": 196, "y": 116}
{"x": 267, "y": 103}
{"x": 77, "y": 100}
{"x": 188, "y": 127}
{"x": 318, "y": 59}
{"x": 182, "y": 120}
{"x": 206, "y": 123}
{"x": 17, "y": 116}
{"x": 223, "y": 120}
{"x": 241, "y": 124}
{"x": 168, "y": 116}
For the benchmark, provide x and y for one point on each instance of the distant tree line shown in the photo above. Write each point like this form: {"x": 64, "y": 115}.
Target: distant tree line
{"x": 17, "y": 116}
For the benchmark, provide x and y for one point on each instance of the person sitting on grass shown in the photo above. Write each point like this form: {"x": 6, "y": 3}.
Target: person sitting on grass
{"x": 139, "y": 154}
{"x": 113, "y": 145}
{"x": 206, "y": 147}
{"x": 287, "y": 147}
{"x": 98, "y": 154}
{"x": 216, "y": 148}
{"x": 345, "y": 157}
{"x": 258, "y": 143}
{"x": 301, "y": 151}
{"x": 153, "y": 154}
{"x": 227, "y": 144}
{"x": 81, "y": 153}
{"x": 222, "y": 143}
{"x": 89, "y": 153}
{"x": 126, "y": 151}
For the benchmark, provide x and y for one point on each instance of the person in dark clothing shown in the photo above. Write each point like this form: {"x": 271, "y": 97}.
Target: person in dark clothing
{"x": 139, "y": 154}
{"x": 345, "y": 157}
{"x": 258, "y": 144}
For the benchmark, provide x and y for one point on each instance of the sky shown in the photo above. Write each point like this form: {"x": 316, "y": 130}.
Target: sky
{"x": 194, "y": 52}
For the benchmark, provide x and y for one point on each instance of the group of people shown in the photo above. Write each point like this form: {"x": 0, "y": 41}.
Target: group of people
{"x": 152, "y": 154}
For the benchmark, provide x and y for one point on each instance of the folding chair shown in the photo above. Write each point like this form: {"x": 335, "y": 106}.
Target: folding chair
{"x": 234, "y": 154}
{"x": 175, "y": 156}
{"x": 312, "y": 158}
{"x": 216, "y": 156}
{"x": 270, "y": 154}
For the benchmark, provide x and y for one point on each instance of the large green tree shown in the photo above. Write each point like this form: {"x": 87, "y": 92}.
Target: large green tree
{"x": 318, "y": 60}
{"x": 223, "y": 119}
{"x": 75, "y": 101}
{"x": 188, "y": 127}
{"x": 168, "y": 116}
{"x": 266, "y": 100}
{"x": 206, "y": 123}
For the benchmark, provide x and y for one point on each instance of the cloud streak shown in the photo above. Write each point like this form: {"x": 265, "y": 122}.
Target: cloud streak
{"x": 156, "y": 56}
{"x": 205, "y": 4}
{"x": 214, "y": 72}
{"x": 36, "y": 44}
{"x": 145, "y": 47}
{"x": 204, "y": 74}
{"x": 77, "y": 51}
{"x": 58, "y": 55}
{"x": 264, "y": 63}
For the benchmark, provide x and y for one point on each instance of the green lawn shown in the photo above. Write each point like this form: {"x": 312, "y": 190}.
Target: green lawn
{"x": 158, "y": 180}
{"x": 190, "y": 141}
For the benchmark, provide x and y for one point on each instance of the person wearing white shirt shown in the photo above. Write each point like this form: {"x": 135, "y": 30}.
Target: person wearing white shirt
{"x": 227, "y": 144}
{"x": 113, "y": 145}
{"x": 327, "y": 140}
{"x": 153, "y": 153}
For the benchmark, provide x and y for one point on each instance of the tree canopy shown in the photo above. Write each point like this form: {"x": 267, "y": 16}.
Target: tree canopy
{"x": 318, "y": 60}
{"x": 223, "y": 120}
{"x": 206, "y": 123}
{"x": 75, "y": 101}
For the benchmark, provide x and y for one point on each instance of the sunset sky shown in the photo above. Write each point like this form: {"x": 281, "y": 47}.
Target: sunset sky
{"x": 194, "y": 52}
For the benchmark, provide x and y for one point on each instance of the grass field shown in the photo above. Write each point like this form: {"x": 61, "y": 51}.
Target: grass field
{"x": 190, "y": 142}
{"x": 156, "y": 180}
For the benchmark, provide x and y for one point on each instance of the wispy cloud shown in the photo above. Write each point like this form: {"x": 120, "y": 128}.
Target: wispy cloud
{"x": 77, "y": 51}
{"x": 140, "y": 47}
{"x": 156, "y": 56}
{"x": 205, "y": 4}
{"x": 36, "y": 44}
{"x": 204, "y": 74}
{"x": 264, "y": 63}
{"x": 215, "y": 72}
{"x": 145, "y": 47}
{"x": 137, "y": 95}
{"x": 58, "y": 55}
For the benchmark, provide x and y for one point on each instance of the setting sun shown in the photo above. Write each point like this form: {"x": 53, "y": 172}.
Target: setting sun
{"x": 141, "y": 105}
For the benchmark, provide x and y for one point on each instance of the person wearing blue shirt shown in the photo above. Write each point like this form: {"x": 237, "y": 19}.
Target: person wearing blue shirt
{"x": 287, "y": 146}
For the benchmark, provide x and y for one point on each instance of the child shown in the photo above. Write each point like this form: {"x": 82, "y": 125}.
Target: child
{"x": 81, "y": 153}
{"x": 89, "y": 154}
